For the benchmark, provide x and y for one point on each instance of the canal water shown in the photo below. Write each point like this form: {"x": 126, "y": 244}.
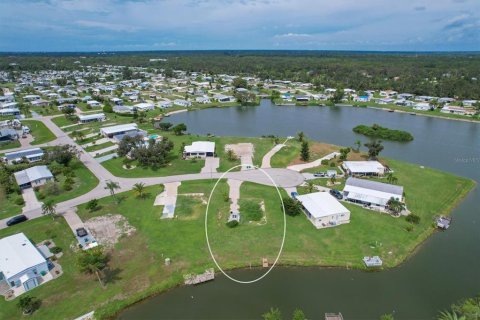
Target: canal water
{"x": 445, "y": 269}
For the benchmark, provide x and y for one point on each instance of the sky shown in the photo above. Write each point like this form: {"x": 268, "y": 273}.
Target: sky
{"x": 134, "y": 25}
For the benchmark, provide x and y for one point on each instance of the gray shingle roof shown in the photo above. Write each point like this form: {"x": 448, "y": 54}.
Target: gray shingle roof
{"x": 374, "y": 185}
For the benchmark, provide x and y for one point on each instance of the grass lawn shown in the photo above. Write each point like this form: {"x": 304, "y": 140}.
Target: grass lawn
{"x": 10, "y": 145}
{"x": 96, "y": 147}
{"x": 62, "y": 121}
{"x": 39, "y": 131}
{"x": 290, "y": 154}
{"x": 9, "y": 208}
{"x": 84, "y": 179}
{"x": 179, "y": 166}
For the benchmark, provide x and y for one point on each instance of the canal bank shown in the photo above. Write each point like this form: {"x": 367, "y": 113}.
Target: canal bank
{"x": 443, "y": 270}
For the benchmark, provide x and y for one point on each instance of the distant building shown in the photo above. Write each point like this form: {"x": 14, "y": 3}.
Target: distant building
{"x": 182, "y": 103}
{"x": 86, "y": 118}
{"x": 32, "y": 155}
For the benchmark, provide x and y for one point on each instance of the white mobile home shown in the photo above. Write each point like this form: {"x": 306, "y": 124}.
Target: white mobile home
{"x": 371, "y": 193}
{"x": 323, "y": 210}
{"x": 364, "y": 168}
{"x": 86, "y": 118}
{"x": 21, "y": 264}
{"x": 119, "y": 129}
{"x": 199, "y": 149}
{"x": 33, "y": 177}
{"x": 32, "y": 155}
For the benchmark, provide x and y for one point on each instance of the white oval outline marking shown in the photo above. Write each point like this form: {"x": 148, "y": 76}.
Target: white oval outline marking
{"x": 284, "y": 227}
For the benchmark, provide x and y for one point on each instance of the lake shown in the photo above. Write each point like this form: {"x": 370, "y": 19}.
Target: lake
{"x": 444, "y": 270}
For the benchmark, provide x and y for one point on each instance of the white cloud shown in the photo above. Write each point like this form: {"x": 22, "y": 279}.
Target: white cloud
{"x": 108, "y": 26}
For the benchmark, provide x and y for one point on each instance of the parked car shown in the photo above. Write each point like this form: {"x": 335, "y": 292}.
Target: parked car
{"x": 16, "y": 220}
{"x": 294, "y": 195}
{"x": 337, "y": 194}
{"x": 319, "y": 174}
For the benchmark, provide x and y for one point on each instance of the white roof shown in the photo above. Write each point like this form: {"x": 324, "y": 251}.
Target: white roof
{"x": 32, "y": 174}
{"x": 321, "y": 204}
{"x": 201, "y": 146}
{"x": 91, "y": 116}
{"x": 145, "y": 105}
{"x": 17, "y": 254}
{"x": 364, "y": 166}
{"x": 119, "y": 128}
{"x": 371, "y": 191}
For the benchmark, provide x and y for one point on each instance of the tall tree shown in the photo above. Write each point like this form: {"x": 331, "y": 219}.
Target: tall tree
{"x": 273, "y": 314}
{"x": 305, "y": 151}
{"x": 93, "y": 261}
{"x": 374, "y": 148}
{"x": 300, "y": 136}
{"x": 112, "y": 186}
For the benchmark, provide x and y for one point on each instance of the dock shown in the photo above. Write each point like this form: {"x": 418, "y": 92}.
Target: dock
{"x": 192, "y": 279}
{"x": 443, "y": 222}
{"x": 374, "y": 261}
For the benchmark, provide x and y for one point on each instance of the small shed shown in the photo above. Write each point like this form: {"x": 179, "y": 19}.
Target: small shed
{"x": 374, "y": 261}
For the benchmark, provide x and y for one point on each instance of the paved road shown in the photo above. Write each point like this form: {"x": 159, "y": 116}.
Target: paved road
{"x": 283, "y": 178}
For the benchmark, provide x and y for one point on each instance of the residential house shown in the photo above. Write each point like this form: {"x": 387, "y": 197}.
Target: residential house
{"x": 33, "y": 177}
{"x": 31, "y": 155}
{"x": 144, "y": 106}
{"x": 7, "y": 134}
{"x": 121, "y": 130}
{"x": 182, "y": 103}
{"x": 371, "y": 193}
{"x": 94, "y": 104}
{"x": 364, "y": 168}
{"x": 203, "y": 100}
{"x": 323, "y": 210}
{"x": 458, "y": 110}
{"x": 21, "y": 263}
{"x": 39, "y": 103}
{"x": 9, "y": 112}
{"x": 86, "y": 118}
{"x": 199, "y": 149}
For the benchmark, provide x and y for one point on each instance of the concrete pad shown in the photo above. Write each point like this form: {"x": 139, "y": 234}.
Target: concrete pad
{"x": 104, "y": 150}
{"x": 97, "y": 142}
{"x": 313, "y": 164}
{"x": 168, "y": 199}
{"x": 31, "y": 201}
{"x": 211, "y": 165}
{"x": 234, "y": 194}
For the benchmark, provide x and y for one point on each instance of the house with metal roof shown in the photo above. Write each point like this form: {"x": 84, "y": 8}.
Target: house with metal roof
{"x": 21, "y": 264}
{"x": 33, "y": 177}
{"x": 364, "y": 168}
{"x": 323, "y": 210}
{"x": 199, "y": 149}
{"x": 7, "y": 134}
{"x": 32, "y": 155}
{"x": 118, "y": 129}
{"x": 370, "y": 192}
{"x": 86, "y": 118}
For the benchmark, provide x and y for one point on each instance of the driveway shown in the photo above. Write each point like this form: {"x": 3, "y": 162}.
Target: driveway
{"x": 266, "y": 159}
{"x": 211, "y": 165}
{"x": 31, "y": 201}
{"x": 234, "y": 194}
{"x": 313, "y": 164}
{"x": 168, "y": 199}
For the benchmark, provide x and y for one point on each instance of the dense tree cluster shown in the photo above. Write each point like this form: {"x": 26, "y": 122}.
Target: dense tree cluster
{"x": 446, "y": 74}
{"x": 153, "y": 154}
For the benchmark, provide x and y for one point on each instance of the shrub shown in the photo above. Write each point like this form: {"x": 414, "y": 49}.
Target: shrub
{"x": 292, "y": 206}
{"x": 324, "y": 162}
{"x": 41, "y": 195}
{"x": 413, "y": 218}
{"x": 19, "y": 201}
{"x": 251, "y": 210}
{"x": 36, "y": 189}
{"x": 56, "y": 250}
{"x": 232, "y": 224}
{"x": 332, "y": 164}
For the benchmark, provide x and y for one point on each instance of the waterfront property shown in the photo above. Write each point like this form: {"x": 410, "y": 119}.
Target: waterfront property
{"x": 86, "y": 118}
{"x": 371, "y": 193}
{"x": 31, "y": 155}
{"x": 22, "y": 266}
{"x": 364, "y": 168}
{"x": 33, "y": 177}
{"x": 323, "y": 210}
{"x": 199, "y": 149}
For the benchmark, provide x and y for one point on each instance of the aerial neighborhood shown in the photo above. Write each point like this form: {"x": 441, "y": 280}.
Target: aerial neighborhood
{"x": 95, "y": 167}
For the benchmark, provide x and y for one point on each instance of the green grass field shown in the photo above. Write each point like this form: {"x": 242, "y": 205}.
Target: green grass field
{"x": 39, "y": 131}
{"x": 10, "y": 145}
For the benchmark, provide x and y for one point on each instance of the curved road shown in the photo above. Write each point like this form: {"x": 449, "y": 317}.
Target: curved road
{"x": 284, "y": 178}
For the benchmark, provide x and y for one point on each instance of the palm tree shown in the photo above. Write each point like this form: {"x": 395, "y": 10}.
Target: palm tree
{"x": 310, "y": 187}
{"x": 395, "y": 205}
{"x": 139, "y": 189}
{"x": 112, "y": 186}
{"x": 333, "y": 179}
{"x": 80, "y": 135}
{"x": 446, "y": 315}
{"x": 93, "y": 261}
{"x": 391, "y": 178}
{"x": 48, "y": 207}
{"x": 358, "y": 144}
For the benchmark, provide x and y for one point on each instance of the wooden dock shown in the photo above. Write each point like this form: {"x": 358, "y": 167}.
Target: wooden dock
{"x": 192, "y": 279}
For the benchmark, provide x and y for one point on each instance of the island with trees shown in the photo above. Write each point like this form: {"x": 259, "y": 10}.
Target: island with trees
{"x": 377, "y": 131}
